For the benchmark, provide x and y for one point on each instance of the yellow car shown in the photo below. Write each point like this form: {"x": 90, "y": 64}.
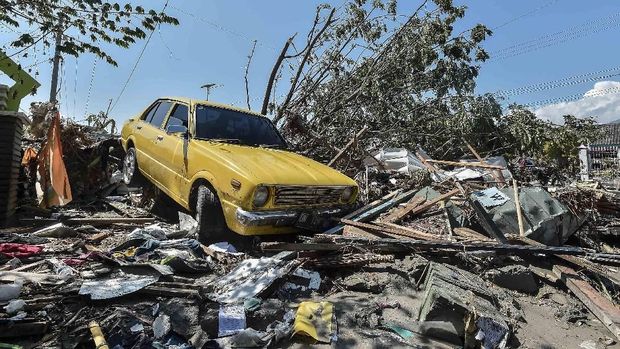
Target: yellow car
{"x": 231, "y": 168}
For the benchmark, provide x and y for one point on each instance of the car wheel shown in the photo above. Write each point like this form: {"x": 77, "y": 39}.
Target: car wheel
{"x": 131, "y": 173}
{"x": 211, "y": 223}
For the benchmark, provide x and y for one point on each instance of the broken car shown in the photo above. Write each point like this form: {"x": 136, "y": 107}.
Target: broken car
{"x": 231, "y": 168}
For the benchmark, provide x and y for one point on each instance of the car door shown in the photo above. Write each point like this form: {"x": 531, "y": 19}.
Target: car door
{"x": 139, "y": 138}
{"x": 153, "y": 133}
{"x": 171, "y": 152}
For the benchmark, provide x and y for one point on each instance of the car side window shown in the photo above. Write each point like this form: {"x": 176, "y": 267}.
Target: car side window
{"x": 178, "y": 116}
{"x": 160, "y": 114}
{"x": 149, "y": 114}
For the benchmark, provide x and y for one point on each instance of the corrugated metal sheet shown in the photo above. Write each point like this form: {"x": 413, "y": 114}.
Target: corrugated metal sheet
{"x": 545, "y": 219}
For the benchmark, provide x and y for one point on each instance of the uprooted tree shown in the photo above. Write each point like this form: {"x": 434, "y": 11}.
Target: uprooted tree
{"x": 409, "y": 78}
{"x": 85, "y": 25}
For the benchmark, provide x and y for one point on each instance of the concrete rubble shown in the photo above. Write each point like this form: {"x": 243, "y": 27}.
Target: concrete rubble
{"x": 436, "y": 255}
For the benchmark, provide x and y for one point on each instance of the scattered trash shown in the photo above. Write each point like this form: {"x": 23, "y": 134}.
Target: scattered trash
{"x": 14, "y": 306}
{"x": 11, "y": 291}
{"x": 231, "y": 320}
{"x": 115, "y": 287}
{"x": 161, "y": 326}
{"x": 315, "y": 320}
{"x": 432, "y": 256}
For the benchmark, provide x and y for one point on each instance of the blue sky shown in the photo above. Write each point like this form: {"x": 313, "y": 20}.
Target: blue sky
{"x": 212, "y": 43}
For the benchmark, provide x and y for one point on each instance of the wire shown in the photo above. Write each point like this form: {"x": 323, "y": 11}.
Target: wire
{"x": 595, "y": 93}
{"x": 529, "y": 13}
{"x": 567, "y": 81}
{"x": 75, "y": 80}
{"x": 133, "y": 70}
{"x": 576, "y": 32}
{"x": 90, "y": 86}
{"x": 224, "y": 29}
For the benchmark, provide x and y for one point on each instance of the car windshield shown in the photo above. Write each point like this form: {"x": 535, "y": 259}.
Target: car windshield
{"x": 236, "y": 127}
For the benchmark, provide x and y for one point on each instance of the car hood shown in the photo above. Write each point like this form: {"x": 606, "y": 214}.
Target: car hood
{"x": 272, "y": 166}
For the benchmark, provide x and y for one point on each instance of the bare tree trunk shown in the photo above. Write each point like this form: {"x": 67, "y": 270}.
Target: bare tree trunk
{"x": 247, "y": 70}
{"x": 307, "y": 54}
{"x": 274, "y": 72}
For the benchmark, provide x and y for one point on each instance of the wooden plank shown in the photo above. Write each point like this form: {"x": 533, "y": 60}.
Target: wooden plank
{"x": 583, "y": 263}
{"x": 428, "y": 166}
{"x": 518, "y": 208}
{"x": 465, "y": 164}
{"x": 498, "y": 176}
{"x": 419, "y": 209}
{"x": 22, "y": 329}
{"x": 607, "y": 312}
{"x": 471, "y": 234}
{"x": 108, "y": 220}
{"x": 371, "y": 205}
{"x": 348, "y": 145}
{"x": 414, "y": 233}
{"x": 410, "y": 206}
{"x": 374, "y": 212}
{"x": 168, "y": 292}
{"x": 395, "y": 230}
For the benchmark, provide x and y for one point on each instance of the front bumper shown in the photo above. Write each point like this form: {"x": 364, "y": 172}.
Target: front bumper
{"x": 309, "y": 219}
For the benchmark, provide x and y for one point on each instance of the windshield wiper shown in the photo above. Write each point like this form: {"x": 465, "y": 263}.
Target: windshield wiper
{"x": 225, "y": 140}
{"x": 274, "y": 146}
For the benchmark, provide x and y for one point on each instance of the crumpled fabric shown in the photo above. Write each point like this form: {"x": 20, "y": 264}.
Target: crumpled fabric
{"x": 14, "y": 250}
{"x": 30, "y": 154}
{"x": 53, "y": 188}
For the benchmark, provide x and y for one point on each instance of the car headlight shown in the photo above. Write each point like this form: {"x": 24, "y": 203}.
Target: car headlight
{"x": 261, "y": 195}
{"x": 347, "y": 194}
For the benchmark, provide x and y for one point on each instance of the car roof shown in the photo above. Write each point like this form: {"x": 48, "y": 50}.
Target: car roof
{"x": 212, "y": 104}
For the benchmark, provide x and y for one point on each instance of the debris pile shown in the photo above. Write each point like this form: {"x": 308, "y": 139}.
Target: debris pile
{"x": 440, "y": 254}
{"x": 92, "y": 157}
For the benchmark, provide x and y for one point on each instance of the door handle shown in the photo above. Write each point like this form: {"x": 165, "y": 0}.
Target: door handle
{"x": 139, "y": 127}
{"x": 160, "y": 138}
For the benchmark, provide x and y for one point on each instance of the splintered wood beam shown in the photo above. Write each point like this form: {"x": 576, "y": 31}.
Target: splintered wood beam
{"x": 498, "y": 176}
{"x": 402, "y": 211}
{"x": 351, "y": 143}
{"x": 471, "y": 234}
{"x": 518, "y": 208}
{"x": 465, "y": 164}
{"x": 607, "y": 312}
{"x": 415, "y": 209}
{"x": 394, "y": 229}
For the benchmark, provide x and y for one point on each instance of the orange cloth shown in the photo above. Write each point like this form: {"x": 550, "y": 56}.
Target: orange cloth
{"x": 29, "y": 155}
{"x": 53, "y": 178}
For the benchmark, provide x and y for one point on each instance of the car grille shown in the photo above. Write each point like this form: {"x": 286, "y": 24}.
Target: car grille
{"x": 307, "y": 195}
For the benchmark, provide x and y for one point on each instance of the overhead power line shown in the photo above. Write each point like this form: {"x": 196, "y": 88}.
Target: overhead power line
{"x": 567, "y": 81}
{"x": 133, "y": 69}
{"x": 526, "y": 14}
{"x": 576, "y": 32}
{"x": 570, "y": 98}
{"x": 224, "y": 29}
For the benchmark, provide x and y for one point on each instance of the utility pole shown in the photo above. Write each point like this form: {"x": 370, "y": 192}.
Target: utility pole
{"x": 208, "y": 88}
{"x": 57, "y": 58}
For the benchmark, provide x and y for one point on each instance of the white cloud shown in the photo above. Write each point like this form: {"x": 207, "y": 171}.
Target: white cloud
{"x": 602, "y": 102}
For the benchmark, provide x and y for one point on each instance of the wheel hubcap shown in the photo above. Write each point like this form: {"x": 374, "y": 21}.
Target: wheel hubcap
{"x": 129, "y": 166}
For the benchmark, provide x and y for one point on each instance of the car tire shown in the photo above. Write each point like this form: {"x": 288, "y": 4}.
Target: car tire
{"x": 131, "y": 173}
{"x": 211, "y": 223}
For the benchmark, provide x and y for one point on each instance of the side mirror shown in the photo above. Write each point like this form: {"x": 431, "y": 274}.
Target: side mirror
{"x": 176, "y": 130}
